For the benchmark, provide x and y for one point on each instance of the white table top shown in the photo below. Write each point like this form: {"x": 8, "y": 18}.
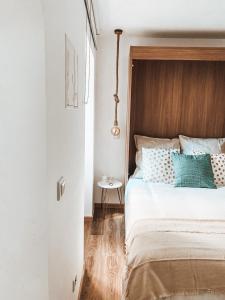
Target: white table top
{"x": 113, "y": 184}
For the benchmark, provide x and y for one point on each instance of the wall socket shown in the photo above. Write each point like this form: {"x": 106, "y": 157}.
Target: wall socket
{"x": 74, "y": 282}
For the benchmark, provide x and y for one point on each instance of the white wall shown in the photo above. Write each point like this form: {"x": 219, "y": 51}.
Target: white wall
{"x": 89, "y": 129}
{"x": 23, "y": 205}
{"x": 65, "y": 147}
{"x": 110, "y": 152}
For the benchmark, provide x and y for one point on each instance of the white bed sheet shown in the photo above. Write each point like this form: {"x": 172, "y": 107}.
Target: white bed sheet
{"x": 157, "y": 200}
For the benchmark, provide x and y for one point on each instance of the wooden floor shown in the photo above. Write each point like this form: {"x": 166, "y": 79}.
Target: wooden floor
{"x": 104, "y": 256}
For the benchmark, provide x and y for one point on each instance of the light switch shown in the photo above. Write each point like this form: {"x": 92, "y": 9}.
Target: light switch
{"x": 61, "y": 185}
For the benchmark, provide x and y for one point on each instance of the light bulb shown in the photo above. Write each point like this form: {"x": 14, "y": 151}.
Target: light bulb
{"x": 115, "y": 131}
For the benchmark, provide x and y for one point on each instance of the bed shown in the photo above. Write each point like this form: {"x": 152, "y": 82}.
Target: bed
{"x": 175, "y": 237}
{"x": 175, "y": 242}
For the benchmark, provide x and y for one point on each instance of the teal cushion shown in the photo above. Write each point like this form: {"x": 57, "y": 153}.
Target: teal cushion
{"x": 193, "y": 171}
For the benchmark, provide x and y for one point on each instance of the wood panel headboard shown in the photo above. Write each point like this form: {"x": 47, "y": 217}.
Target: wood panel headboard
{"x": 175, "y": 91}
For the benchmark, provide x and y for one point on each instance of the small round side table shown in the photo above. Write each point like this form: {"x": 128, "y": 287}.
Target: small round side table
{"x": 110, "y": 185}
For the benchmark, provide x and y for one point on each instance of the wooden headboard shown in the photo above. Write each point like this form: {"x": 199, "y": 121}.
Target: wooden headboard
{"x": 175, "y": 91}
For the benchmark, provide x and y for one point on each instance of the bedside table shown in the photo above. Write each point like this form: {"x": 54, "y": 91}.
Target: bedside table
{"x": 110, "y": 185}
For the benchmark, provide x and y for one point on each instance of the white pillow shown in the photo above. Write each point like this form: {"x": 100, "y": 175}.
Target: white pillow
{"x": 191, "y": 145}
{"x": 157, "y": 165}
{"x": 222, "y": 145}
{"x": 150, "y": 142}
{"x": 218, "y": 166}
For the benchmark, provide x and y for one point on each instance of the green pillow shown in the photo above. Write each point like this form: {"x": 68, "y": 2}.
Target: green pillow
{"x": 193, "y": 171}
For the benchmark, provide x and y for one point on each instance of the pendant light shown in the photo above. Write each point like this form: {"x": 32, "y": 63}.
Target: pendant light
{"x": 115, "y": 129}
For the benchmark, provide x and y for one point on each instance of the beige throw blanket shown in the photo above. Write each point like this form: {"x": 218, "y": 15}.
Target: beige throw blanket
{"x": 174, "y": 257}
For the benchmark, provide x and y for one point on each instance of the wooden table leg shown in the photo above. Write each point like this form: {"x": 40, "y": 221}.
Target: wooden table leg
{"x": 104, "y": 202}
{"x": 119, "y": 196}
{"x": 102, "y": 194}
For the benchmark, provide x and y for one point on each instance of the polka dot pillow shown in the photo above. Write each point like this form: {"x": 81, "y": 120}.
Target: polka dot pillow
{"x": 157, "y": 165}
{"x": 218, "y": 166}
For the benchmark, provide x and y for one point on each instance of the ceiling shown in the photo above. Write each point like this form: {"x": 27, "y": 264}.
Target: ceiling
{"x": 201, "y": 18}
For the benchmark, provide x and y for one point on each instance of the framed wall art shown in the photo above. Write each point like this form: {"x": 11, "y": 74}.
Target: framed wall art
{"x": 71, "y": 74}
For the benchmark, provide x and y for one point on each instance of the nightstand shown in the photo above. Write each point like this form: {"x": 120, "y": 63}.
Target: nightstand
{"x": 110, "y": 185}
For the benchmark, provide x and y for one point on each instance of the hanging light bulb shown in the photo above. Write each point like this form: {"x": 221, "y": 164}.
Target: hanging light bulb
{"x": 115, "y": 129}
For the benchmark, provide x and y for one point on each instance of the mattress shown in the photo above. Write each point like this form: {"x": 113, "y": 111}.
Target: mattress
{"x": 147, "y": 204}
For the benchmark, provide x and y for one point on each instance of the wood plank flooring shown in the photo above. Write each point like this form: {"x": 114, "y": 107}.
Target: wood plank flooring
{"x": 104, "y": 256}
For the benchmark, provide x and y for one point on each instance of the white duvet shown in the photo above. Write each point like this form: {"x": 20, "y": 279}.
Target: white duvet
{"x": 159, "y": 201}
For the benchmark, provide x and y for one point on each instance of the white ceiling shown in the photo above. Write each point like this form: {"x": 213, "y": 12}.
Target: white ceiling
{"x": 162, "y": 17}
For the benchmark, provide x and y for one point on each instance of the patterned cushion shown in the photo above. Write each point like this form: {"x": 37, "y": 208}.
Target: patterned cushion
{"x": 150, "y": 142}
{"x": 193, "y": 171}
{"x": 218, "y": 166}
{"x": 157, "y": 165}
